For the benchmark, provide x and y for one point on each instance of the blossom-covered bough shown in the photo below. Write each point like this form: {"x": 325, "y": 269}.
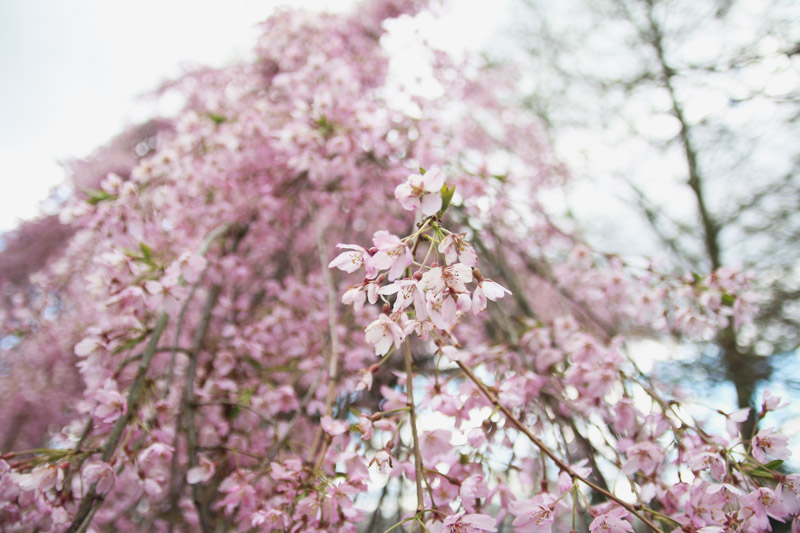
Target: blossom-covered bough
{"x": 461, "y": 364}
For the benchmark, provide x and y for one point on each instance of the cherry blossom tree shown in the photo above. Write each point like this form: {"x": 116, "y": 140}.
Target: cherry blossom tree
{"x": 312, "y": 306}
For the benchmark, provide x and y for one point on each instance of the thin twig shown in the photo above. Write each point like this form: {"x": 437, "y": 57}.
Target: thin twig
{"x": 418, "y": 467}
{"x": 547, "y": 451}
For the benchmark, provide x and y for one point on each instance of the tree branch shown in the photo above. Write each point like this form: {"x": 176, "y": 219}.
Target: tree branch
{"x": 91, "y": 501}
{"x": 550, "y": 453}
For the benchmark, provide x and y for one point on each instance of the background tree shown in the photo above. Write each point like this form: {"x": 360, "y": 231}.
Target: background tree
{"x": 684, "y": 117}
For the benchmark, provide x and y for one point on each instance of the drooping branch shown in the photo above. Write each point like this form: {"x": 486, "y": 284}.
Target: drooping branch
{"x": 92, "y": 500}
{"x": 550, "y": 453}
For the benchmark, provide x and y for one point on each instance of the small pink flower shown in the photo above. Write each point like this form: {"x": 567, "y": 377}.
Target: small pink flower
{"x": 365, "y": 426}
{"x": 357, "y": 296}
{"x": 392, "y": 255}
{"x": 87, "y": 346}
{"x": 471, "y": 489}
{"x": 111, "y": 404}
{"x": 711, "y": 461}
{"x": 455, "y": 277}
{"x": 535, "y": 515}
{"x": 333, "y": 427}
{"x": 365, "y": 382}
{"x": 791, "y": 493}
{"x": 468, "y": 523}
{"x": 102, "y": 475}
{"x": 611, "y": 522}
{"x": 408, "y": 291}
{"x": 773, "y": 403}
{"x": 476, "y": 437}
{"x": 645, "y": 456}
{"x": 383, "y": 459}
{"x": 765, "y": 442}
{"x": 442, "y": 312}
{"x": 42, "y": 478}
{"x": 383, "y": 333}
{"x": 761, "y": 504}
{"x": 435, "y": 443}
{"x": 734, "y": 419}
{"x": 353, "y": 260}
{"x": 191, "y": 266}
{"x": 455, "y": 247}
{"x": 155, "y": 451}
{"x": 200, "y": 473}
{"x": 422, "y": 191}
{"x": 269, "y": 519}
{"x": 487, "y": 289}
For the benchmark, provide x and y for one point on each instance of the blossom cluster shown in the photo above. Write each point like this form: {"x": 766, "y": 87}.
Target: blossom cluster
{"x": 429, "y": 297}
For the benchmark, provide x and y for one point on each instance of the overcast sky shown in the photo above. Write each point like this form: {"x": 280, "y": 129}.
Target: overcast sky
{"x": 73, "y": 73}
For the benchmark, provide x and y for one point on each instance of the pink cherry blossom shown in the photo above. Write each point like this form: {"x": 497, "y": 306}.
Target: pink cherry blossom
{"x": 468, "y": 523}
{"x": 392, "y": 254}
{"x": 456, "y": 248}
{"x": 408, "y": 291}
{"x": 710, "y": 461}
{"x": 42, "y": 478}
{"x": 200, "y": 473}
{"x": 100, "y": 474}
{"x": 442, "y": 312}
{"x": 767, "y": 442}
{"x": 353, "y": 260}
{"x": 365, "y": 427}
{"x": 761, "y": 504}
{"x": 110, "y": 404}
{"x": 612, "y": 521}
{"x": 471, "y": 489}
{"x": 535, "y": 515}
{"x": 384, "y": 333}
{"x": 790, "y": 492}
{"x": 772, "y": 403}
{"x": 422, "y": 192}
{"x": 645, "y": 456}
{"x": 734, "y": 419}
{"x": 333, "y": 427}
{"x": 487, "y": 290}
{"x": 383, "y": 460}
{"x": 455, "y": 277}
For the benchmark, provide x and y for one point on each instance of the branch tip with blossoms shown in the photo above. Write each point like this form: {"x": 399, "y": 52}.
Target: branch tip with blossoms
{"x": 430, "y": 300}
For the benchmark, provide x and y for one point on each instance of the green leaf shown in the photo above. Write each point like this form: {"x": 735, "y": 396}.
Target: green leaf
{"x": 421, "y": 171}
{"x": 325, "y": 127}
{"x": 218, "y": 119}
{"x": 147, "y": 252}
{"x": 773, "y": 465}
{"x": 447, "y": 197}
{"x": 96, "y": 196}
{"x": 130, "y": 343}
{"x": 245, "y": 396}
{"x": 728, "y": 299}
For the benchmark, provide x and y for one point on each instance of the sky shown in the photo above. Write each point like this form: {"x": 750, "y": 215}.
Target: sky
{"x": 75, "y": 73}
